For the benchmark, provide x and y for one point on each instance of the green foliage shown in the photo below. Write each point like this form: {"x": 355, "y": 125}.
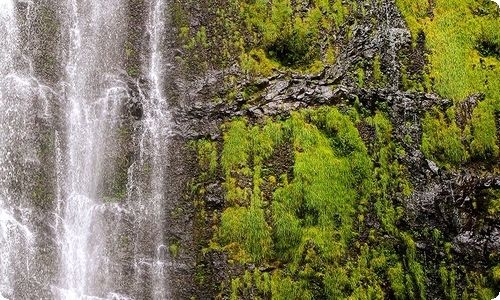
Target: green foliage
{"x": 484, "y": 131}
{"x": 415, "y": 13}
{"x": 468, "y": 64}
{"x": 397, "y": 281}
{"x": 295, "y": 47}
{"x": 312, "y": 220}
{"x": 284, "y": 288}
{"x": 287, "y": 227}
{"x": 496, "y": 273}
{"x": 488, "y": 42}
{"x": 457, "y": 68}
{"x": 247, "y": 227}
{"x": 448, "y": 281}
{"x": 415, "y": 269}
{"x": 361, "y": 77}
{"x": 442, "y": 139}
{"x": 390, "y": 175}
{"x": 262, "y": 281}
{"x": 378, "y": 76}
{"x": 286, "y": 38}
{"x": 207, "y": 156}
{"x": 236, "y": 146}
{"x": 307, "y": 224}
{"x": 174, "y": 248}
{"x": 256, "y": 62}
{"x": 322, "y": 198}
{"x": 235, "y": 285}
{"x": 267, "y": 35}
{"x": 478, "y": 287}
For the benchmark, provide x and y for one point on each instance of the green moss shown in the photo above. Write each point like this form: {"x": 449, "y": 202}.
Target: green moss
{"x": 442, "y": 139}
{"x": 467, "y": 65}
{"x": 415, "y": 14}
{"x": 312, "y": 211}
{"x": 378, "y": 76}
{"x": 235, "y": 153}
{"x": 235, "y": 285}
{"x": 418, "y": 278}
{"x": 484, "y": 132}
{"x": 448, "y": 281}
{"x": 316, "y": 213}
{"x": 179, "y": 14}
{"x": 496, "y": 273}
{"x": 207, "y": 156}
{"x": 397, "y": 280}
{"x": 247, "y": 227}
{"x": 264, "y": 35}
{"x": 361, "y": 77}
{"x": 174, "y": 247}
{"x": 306, "y": 231}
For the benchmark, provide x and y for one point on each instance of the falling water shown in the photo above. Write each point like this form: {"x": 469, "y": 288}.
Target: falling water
{"x": 94, "y": 94}
{"x": 88, "y": 242}
{"x": 14, "y": 236}
{"x": 18, "y": 158}
{"x": 156, "y": 125}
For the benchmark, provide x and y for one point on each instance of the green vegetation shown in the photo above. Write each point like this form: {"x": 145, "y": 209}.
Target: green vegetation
{"x": 264, "y": 35}
{"x": 174, "y": 247}
{"x": 314, "y": 203}
{"x": 207, "y": 153}
{"x": 306, "y": 227}
{"x": 287, "y": 34}
{"x": 463, "y": 41}
{"x": 378, "y": 75}
{"x": 442, "y": 139}
{"x": 331, "y": 224}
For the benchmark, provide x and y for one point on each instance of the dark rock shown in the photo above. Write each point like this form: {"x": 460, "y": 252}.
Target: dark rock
{"x": 215, "y": 196}
{"x": 469, "y": 244}
{"x": 465, "y": 108}
{"x": 432, "y": 165}
{"x": 276, "y": 90}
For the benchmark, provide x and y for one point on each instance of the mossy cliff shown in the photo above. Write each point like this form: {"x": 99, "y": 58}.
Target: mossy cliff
{"x": 345, "y": 149}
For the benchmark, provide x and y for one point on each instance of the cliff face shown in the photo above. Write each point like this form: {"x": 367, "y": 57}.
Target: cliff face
{"x": 250, "y": 149}
{"x": 345, "y": 149}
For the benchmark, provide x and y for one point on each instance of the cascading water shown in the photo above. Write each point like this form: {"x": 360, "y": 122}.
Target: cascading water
{"x": 153, "y": 269}
{"x": 82, "y": 215}
{"x": 94, "y": 97}
{"x": 16, "y": 238}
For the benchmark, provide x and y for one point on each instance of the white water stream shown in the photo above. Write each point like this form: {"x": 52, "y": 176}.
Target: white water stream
{"x": 16, "y": 238}
{"x": 153, "y": 145}
{"x": 91, "y": 246}
{"x": 94, "y": 94}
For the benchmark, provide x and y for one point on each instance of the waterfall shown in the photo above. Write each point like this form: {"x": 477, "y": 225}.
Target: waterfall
{"x": 94, "y": 94}
{"x": 16, "y": 236}
{"x": 84, "y": 187}
{"x": 153, "y": 162}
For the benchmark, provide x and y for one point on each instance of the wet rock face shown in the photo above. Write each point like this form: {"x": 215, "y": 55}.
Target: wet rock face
{"x": 451, "y": 201}
{"x": 448, "y": 200}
